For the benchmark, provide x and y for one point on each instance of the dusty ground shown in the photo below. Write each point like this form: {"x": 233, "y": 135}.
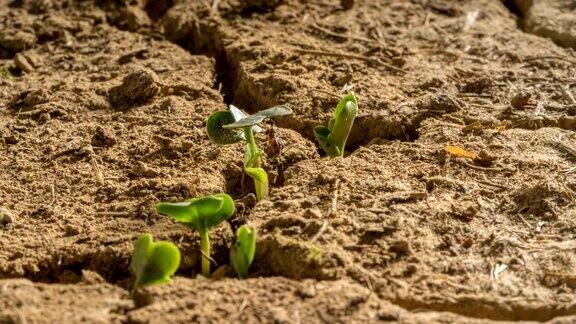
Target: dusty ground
{"x": 102, "y": 111}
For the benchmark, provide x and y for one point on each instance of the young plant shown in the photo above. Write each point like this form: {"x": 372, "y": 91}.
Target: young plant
{"x": 201, "y": 214}
{"x": 333, "y": 138}
{"x": 5, "y": 73}
{"x": 233, "y": 126}
{"x": 153, "y": 262}
{"x": 242, "y": 252}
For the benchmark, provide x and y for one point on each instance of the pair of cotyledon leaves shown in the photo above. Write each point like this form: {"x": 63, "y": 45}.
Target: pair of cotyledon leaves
{"x": 242, "y": 252}
{"x": 154, "y": 262}
{"x": 333, "y": 138}
{"x": 229, "y": 127}
{"x": 225, "y": 127}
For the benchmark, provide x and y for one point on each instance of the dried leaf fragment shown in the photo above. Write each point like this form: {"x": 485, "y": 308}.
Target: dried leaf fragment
{"x": 460, "y": 152}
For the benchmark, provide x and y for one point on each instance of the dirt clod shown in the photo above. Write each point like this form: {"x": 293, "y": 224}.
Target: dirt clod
{"x": 137, "y": 87}
{"x": 16, "y": 40}
{"x": 347, "y": 4}
{"x": 521, "y": 99}
{"x": 401, "y": 247}
{"x": 6, "y": 216}
{"x": 22, "y": 63}
{"x": 103, "y": 138}
{"x": 133, "y": 18}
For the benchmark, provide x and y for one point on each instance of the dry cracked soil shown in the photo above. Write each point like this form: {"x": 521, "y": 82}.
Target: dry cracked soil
{"x": 455, "y": 202}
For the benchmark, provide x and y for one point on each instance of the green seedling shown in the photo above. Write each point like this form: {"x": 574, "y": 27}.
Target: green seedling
{"x": 153, "y": 262}
{"x": 233, "y": 126}
{"x": 201, "y": 214}
{"x": 333, "y": 138}
{"x": 242, "y": 253}
{"x": 5, "y": 73}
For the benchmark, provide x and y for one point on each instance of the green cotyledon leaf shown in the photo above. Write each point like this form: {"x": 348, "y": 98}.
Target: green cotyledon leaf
{"x": 276, "y": 111}
{"x": 257, "y": 173}
{"x": 333, "y": 138}
{"x": 322, "y": 134}
{"x": 154, "y": 262}
{"x": 243, "y": 250}
{"x": 200, "y": 213}
{"x": 344, "y": 116}
{"x": 257, "y": 118}
{"x": 218, "y": 133}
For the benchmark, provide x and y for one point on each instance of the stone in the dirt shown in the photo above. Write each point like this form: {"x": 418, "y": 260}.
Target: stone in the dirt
{"x": 22, "y": 63}
{"x": 401, "y": 247}
{"x": 91, "y": 277}
{"x": 347, "y": 4}
{"x": 36, "y": 97}
{"x": 439, "y": 103}
{"x": 478, "y": 85}
{"x": 16, "y": 40}
{"x": 139, "y": 86}
{"x": 521, "y": 99}
{"x": 6, "y": 216}
{"x": 133, "y": 18}
{"x": 103, "y": 138}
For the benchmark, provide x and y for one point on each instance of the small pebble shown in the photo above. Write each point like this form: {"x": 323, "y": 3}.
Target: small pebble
{"x": 347, "y": 4}
{"x": 139, "y": 86}
{"x": 6, "y": 216}
{"x": 22, "y": 63}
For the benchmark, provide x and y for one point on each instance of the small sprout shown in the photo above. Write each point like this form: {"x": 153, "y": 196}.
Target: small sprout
{"x": 233, "y": 126}
{"x": 333, "y": 138}
{"x": 242, "y": 253}
{"x": 153, "y": 262}
{"x": 5, "y": 73}
{"x": 201, "y": 214}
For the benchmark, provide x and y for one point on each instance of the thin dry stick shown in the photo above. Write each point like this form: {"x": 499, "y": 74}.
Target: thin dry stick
{"x": 53, "y": 195}
{"x": 411, "y": 213}
{"x": 568, "y": 95}
{"x": 97, "y": 171}
{"x": 160, "y": 117}
{"x": 550, "y": 57}
{"x": 113, "y": 213}
{"x": 490, "y": 183}
{"x": 331, "y": 33}
{"x": 569, "y": 170}
{"x": 351, "y": 56}
{"x": 335, "y": 196}
{"x": 475, "y": 167}
{"x": 325, "y": 92}
{"x": 567, "y": 149}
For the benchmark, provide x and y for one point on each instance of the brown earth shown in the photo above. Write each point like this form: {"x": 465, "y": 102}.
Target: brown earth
{"x": 102, "y": 112}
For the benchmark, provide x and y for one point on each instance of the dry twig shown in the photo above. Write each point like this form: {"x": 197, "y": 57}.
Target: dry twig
{"x": 351, "y": 56}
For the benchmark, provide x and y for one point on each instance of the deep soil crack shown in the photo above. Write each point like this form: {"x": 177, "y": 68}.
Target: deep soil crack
{"x": 541, "y": 24}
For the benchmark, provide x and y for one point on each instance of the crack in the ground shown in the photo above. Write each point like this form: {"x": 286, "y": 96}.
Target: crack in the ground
{"x": 205, "y": 37}
{"x": 208, "y": 41}
{"x": 476, "y": 307}
{"x": 528, "y": 22}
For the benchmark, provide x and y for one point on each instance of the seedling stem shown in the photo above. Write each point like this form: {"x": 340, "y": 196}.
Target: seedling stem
{"x": 252, "y": 165}
{"x": 205, "y": 248}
